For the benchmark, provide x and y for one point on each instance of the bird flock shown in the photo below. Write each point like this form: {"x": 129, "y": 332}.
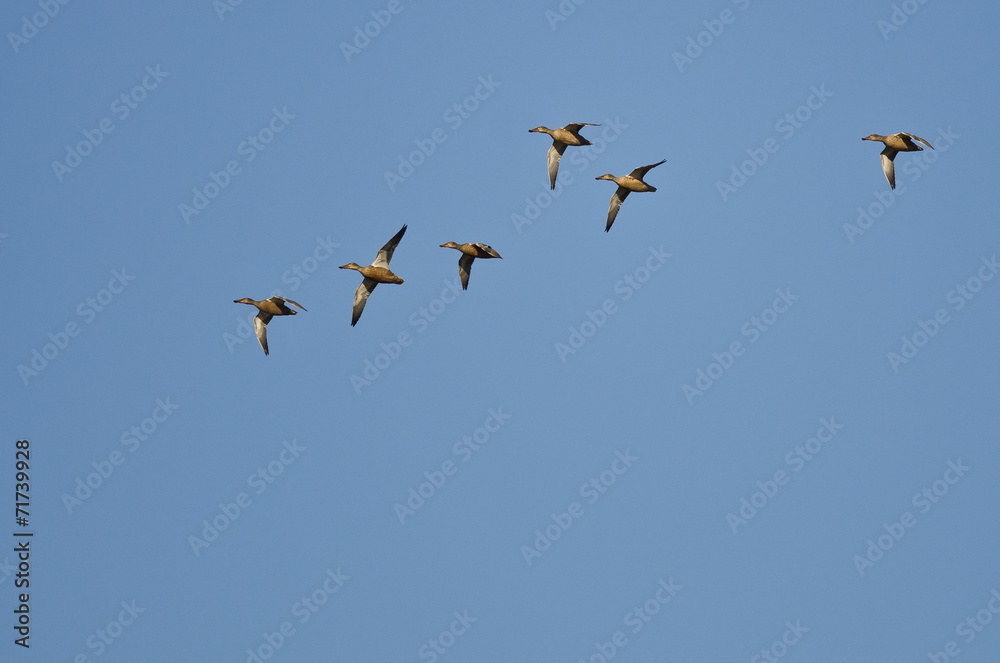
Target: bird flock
{"x": 378, "y": 271}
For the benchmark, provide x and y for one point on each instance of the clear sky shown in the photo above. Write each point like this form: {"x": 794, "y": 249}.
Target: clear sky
{"x": 757, "y": 420}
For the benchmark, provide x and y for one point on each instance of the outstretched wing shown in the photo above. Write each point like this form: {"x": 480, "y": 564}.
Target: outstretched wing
{"x": 642, "y": 170}
{"x": 486, "y": 251}
{"x": 289, "y": 301}
{"x": 464, "y": 269}
{"x": 888, "y": 154}
{"x": 361, "y": 294}
{"x": 918, "y": 139}
{"x": 555, "y": 153}
{"x": 260, "y": 326}
{"x": 385, "y": 253}
{"x": 616, "y": 203}
{"x": 576, "y": 126}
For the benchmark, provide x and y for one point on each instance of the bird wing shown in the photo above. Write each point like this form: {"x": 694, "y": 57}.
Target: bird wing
{"x": 289, "y": 301}
{"x": 642, "y": 170}
{"x": 576, "y": 126}
{"x": 486, "y": 251}
{"x": 888, "y": 154}
{"x": 385, "y": 253}
{"x": 919, "y": 139}
{"x": 260, "y": 326}
{"x": 555, "y": 153}
{"x": 616, "y": 202}
{"x": 464, "y": 268}
{"x": 361, "y": 296}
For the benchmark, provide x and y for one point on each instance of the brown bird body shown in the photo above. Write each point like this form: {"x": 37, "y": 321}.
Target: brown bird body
{"x": 627, "y": 184}
{"x": 895, "y": 143}
{"x": 375, "y": 273}
{"x": 470, "y": 252}
{"x": 561, "y": 139}
{"x": 267, "y": 309}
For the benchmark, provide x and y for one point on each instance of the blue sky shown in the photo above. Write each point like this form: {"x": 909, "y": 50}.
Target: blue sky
{"x": 756, "y": 420}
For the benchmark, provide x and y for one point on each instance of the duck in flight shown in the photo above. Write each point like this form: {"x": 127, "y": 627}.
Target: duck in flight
{"x": 267, "y": 309}
{"x": 561, "y": 139}
{"x": 626, "y": 185}
{"x": 375, "y": 273}
{"x": 470, "y": 252}
{"x": 901, "y": 142}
